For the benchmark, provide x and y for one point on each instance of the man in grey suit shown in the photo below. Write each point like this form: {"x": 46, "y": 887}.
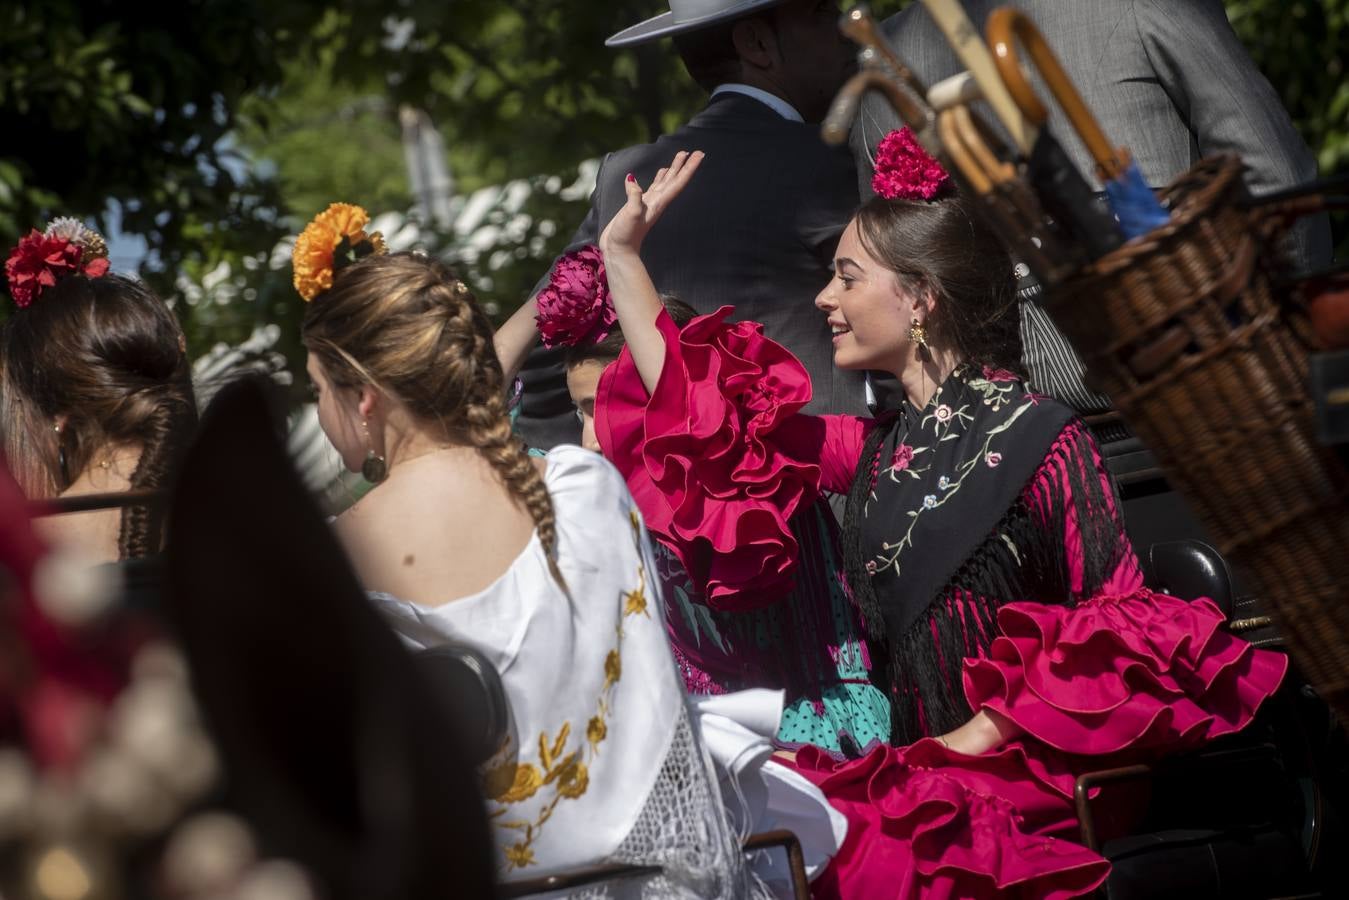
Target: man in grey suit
{"x": 1169, "y": 79}
{"x": 757, "y": 228}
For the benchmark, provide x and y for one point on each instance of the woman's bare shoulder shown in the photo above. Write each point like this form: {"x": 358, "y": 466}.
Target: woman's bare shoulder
{"x": 436, "y": 537}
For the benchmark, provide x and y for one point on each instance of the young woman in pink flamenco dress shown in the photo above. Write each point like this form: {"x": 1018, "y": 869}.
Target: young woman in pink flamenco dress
{"x": 1008, "y": 619}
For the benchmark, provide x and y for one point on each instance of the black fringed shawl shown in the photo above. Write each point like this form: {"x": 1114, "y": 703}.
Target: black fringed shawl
{"x": 946, "y": 535}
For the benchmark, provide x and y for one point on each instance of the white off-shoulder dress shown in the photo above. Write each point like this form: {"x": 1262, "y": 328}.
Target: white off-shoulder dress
{"x": 603, "y": 762}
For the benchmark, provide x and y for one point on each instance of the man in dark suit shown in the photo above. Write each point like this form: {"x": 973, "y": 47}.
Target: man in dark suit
{"x": 1169, "y": 80}
{"x": 758, "y": 227}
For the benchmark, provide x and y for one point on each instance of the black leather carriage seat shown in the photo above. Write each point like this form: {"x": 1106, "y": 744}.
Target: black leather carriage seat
{"x": 471, "y": 693}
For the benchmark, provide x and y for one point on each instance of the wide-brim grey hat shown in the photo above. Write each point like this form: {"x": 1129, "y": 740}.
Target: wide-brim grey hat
{"x": 686, "y": 15}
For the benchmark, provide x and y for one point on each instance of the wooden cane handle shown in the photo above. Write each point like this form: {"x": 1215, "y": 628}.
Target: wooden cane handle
{"x": 970, "y": 48}
{"x": 997, "y": 170}
{"x": 859, "y": 25}
{"x": 958, "y": 89}
{"x": 953, "y": 143}
{"x": 1005, "y": 26}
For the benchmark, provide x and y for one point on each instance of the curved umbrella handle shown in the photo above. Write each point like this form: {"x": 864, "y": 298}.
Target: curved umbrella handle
{"x": 910, "y": 106}
{"x": 964, "y": 39}
{"x": 953, "y": 142}
{"x": 1005, "y": 25}
{"x": 996, "y": 169}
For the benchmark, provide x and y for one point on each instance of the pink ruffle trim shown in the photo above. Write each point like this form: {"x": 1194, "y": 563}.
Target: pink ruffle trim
{"x": 1144, "y": 672}
{"x": 702, "y": 459}
{"x": 925, "y": 822}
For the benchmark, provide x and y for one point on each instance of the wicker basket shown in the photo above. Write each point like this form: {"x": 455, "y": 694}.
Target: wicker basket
{"x": 1185, "y": 332}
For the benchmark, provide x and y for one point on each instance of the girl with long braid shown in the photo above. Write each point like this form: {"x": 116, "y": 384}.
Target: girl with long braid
{"x": 95, "y": 387}
{"x": 541, "y": 564}
{"x": 1007, "y": 617}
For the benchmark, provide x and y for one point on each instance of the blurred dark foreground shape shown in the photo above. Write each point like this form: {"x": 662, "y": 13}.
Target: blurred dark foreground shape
{"x": 324, "y": 723}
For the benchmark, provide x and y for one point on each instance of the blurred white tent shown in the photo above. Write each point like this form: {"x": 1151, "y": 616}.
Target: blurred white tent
{"x": 428, "y": 167}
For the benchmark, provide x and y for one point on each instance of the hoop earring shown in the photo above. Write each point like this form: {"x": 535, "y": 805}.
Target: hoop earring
{"x": 61, "y": 463}
{"x": 373, "y": 469}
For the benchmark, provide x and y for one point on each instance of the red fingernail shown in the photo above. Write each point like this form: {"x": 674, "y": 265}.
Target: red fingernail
{"x": 631, "y": 177}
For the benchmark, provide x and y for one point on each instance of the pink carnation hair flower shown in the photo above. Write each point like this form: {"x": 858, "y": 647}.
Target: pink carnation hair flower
{"x": 575, "y": 308}
{"x": 905, "y": 171}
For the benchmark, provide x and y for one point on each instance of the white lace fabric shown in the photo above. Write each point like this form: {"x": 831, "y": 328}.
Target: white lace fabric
{"x": 683, "y": 828}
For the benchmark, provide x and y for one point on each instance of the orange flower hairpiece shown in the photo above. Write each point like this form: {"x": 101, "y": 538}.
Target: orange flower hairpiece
{"x": 336, "y": 238}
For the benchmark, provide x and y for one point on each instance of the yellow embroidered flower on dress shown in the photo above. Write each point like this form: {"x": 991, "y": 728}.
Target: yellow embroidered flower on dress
{"x": 613, "y": 669}
{"x": 573, "y": 779}
{"x": 519, "y": 855}
{"x": 636, "y": 604}
{"x": 510, "y": 783}
{"x": 596, "y": 732}
{"x": 336, "y": 236}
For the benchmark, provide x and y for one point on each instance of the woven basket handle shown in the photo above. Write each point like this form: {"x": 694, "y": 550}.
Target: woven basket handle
{"x": 1325, "y": 291}
{"x": 1321, "y": 195}
{"x": 1279, "y": 210}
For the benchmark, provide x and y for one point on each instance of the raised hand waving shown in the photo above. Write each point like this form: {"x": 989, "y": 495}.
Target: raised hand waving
{"x": 629, "y": 227}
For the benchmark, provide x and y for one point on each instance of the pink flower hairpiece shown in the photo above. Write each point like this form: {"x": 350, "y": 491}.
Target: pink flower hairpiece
{"x": 575, "y": 307}
{"x": 905, "y": 171}
{"x": 43, "y": 258}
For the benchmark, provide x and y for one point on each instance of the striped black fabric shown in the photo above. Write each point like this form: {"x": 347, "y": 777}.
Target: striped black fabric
{"x": 1056, "y": 370}
{"x": 1053, "y": 365}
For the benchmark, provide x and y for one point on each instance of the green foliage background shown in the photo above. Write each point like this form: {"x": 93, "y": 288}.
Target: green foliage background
{"x": 215, "y": 131}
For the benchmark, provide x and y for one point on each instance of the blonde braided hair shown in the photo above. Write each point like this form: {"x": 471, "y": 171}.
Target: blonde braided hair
{"x": 406, "y": 324}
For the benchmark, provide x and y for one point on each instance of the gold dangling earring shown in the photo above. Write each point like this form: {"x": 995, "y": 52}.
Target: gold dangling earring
{"x": 373, "y": 469}
{"x": 918, "y": 334}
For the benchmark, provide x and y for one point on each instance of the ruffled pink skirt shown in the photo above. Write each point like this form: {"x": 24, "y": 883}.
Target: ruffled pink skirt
{"x": 1111, "y": 680}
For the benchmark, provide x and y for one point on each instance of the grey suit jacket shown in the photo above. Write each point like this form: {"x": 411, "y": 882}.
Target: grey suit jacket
{"x": 756, "y": 229}
{"x": 1169, "y": 79}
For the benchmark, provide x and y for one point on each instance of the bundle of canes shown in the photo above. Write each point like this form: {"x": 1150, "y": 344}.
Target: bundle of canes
{"x": 1199, "y": 333}
{"x": 979, "y": 161}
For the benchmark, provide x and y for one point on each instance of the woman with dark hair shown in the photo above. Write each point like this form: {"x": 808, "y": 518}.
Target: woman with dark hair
{"x": 1009, "y": 621}
{"x": 95, "y": 387}
{"x": 800, "y": 635}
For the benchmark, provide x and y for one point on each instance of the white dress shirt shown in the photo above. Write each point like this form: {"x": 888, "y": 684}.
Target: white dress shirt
{"x": 772, "y": 101}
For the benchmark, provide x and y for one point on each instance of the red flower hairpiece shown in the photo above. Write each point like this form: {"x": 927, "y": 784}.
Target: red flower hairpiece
{"x": 42, "y": 258}
{"x": 905, "y": 171}
{"x": 575, "y": 308}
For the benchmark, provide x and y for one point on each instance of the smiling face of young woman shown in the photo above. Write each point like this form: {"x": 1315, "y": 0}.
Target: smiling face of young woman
{"x": 870, "y": 309}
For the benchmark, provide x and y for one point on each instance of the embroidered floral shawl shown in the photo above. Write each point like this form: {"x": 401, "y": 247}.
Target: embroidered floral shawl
{"x": 947, "y": 537}
{"x": 946, "y": 476}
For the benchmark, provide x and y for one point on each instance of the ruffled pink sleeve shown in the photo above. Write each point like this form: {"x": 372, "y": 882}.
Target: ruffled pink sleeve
{"x": 1126, "y": 668}
{"x": 719, "y": 457}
